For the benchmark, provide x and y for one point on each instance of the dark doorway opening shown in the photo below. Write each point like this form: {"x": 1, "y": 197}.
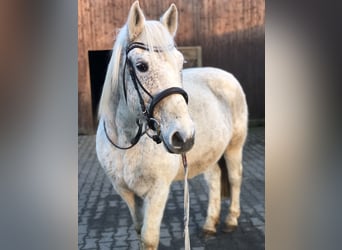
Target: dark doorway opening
{"x": 98, "y": 63}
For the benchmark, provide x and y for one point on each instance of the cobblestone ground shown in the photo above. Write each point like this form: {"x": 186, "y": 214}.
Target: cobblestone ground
{"x": 104, "y": 221}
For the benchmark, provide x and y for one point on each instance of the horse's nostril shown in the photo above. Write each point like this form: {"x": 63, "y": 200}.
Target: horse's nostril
{"x": 177, "y": 140}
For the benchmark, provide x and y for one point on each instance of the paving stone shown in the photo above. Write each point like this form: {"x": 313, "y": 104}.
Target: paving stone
{"x": 178, "y": 234}
{"x": 166, "y": 242}
{"x": 256, "y": 222}
{"x": 82, "y": 229}
{"x": 133, "y": 236}
{"x": 121, "y": 231}
{"x": 134, "y": 245}
{"x": 121, "y": 241}
{"x": 81, "y": 239}
{"x": 122, "y": 248}
{"x": 262, "y": 229}
{"x": 105, "y": 222}
{"x": 164, "y": 232}
{"x": 106, "y": 236}
{"x": 176, "y": 226}
{"x": 259, "y": 207}
{"x": 90, "y": 243}
{"x": 105, "y": 246}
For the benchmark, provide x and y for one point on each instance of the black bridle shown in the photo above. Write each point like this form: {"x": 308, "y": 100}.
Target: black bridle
{"x": 152, "y": 123}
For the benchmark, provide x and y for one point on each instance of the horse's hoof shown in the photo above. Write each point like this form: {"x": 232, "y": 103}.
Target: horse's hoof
{"x": 208, "y": 233}
{"x": 229, "y": 228}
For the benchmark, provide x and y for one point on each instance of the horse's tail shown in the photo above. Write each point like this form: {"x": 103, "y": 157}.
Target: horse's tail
{"x": 225, "y": 185}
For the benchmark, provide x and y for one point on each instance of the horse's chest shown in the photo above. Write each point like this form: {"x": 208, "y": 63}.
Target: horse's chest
{"x": 126, "y": 172}
{"x": 146, "y": 164}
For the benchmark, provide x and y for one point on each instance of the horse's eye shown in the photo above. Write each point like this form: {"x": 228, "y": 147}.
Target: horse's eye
{"x": 142, "y": 66}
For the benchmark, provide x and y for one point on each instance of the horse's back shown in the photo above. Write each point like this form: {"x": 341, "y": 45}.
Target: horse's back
{"x": 216, "y": 78}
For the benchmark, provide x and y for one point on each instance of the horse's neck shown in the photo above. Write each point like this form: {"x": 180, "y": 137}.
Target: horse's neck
{"x": 124, "y": 118}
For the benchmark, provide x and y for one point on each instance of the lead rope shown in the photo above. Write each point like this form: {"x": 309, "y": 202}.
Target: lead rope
{"x": 186, "y": 205}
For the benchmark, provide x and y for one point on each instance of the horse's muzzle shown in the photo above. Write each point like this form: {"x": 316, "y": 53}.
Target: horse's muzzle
{"x": 180, "y": 143}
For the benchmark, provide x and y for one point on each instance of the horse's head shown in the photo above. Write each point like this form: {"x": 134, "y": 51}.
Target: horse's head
{"x": 153, "y": 78}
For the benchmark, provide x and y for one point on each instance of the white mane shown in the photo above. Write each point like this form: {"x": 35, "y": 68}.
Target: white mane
{"x": 154, "y": 34}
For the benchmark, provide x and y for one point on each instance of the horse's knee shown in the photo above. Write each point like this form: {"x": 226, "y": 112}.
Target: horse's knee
{"x": 235, "y": 178}
{"x": 233, "y": 158}
{"x": 212, "y": 178}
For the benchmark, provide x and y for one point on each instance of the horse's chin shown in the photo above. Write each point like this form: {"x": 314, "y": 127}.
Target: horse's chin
{"x": 171, "y": 151}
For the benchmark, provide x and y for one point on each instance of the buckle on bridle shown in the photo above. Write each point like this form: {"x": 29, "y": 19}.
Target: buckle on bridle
{"x": 154, "y": 125}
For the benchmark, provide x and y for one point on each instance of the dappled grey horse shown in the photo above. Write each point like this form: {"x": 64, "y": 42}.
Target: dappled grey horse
{"x": 151, "y": 111}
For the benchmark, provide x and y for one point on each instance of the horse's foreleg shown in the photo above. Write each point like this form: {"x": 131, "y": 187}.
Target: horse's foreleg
{"x": 154, "y": 205}
{"x": 134, "y": 204}
{"x": 213, "y": 177}
{"x": 233, "y": 157}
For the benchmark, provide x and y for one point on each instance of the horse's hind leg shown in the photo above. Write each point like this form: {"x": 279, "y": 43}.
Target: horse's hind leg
{"x": 233, "y": 157}
{"x": 213, "y": 177}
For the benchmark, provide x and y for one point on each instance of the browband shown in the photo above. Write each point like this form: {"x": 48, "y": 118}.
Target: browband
{"x": 137, "y": 45}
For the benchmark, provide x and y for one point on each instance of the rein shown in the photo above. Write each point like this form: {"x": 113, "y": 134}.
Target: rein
{"x": 186, "y": 204}
{"x": 152, "y": 123}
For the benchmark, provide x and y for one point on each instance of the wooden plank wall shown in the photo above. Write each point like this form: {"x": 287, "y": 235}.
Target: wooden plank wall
{"x": 231, "y": 33}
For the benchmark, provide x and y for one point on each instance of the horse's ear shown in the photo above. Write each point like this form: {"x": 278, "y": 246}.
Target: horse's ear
{"x": 136, "y": 21}
{"x": 170, "y": 19}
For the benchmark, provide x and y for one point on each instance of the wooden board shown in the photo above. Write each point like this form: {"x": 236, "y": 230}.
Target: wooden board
{"x": 192, "y": 56}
